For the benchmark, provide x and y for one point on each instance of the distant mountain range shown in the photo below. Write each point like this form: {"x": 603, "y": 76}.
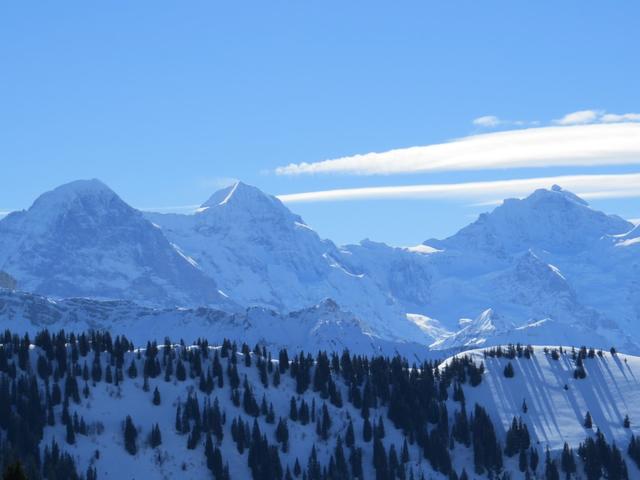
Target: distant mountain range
{"x": 547, "y": 269}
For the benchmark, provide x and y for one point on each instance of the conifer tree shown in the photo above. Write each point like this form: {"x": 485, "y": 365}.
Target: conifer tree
{"x": 522, "y": 460}
{"x": 367, "y": 431}
{"x": 634, "y": 450}
{"x": 326, "y": 422}
{"x": 567, "y": 461}
{"x": 551, "y": 469}
{"x": 534, "y": 459}
{"x": 588, "y": 422}
{"x": 508, "y": 371}
{"x": 379, "y": 430}
{"x": 155, "y": 438}
{"x": 71, "y": 436}
{"x": 130, "y": 436}
{"x": 156, "y": 396}
{"x": 350, "y": 438}
{"x": 132, "y": 371}
{"x": 282, "y": 434}
{"x": 380, "y": 462}
{"x": 14, "y": 472}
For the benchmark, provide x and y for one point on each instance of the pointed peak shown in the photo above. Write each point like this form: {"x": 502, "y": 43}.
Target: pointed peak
{"x": 238, "y": 192}
{"x": 489, "y": 320}
{"x": 241, "y": 199}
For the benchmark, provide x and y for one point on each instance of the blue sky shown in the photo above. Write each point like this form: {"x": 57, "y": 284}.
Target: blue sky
{"x": 167, "y": 101}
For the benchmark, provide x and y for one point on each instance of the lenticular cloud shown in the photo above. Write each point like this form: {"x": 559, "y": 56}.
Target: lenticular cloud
{"x": 580, "y": 145}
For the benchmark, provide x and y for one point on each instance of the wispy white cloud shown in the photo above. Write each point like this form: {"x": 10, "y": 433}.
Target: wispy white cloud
{"x": 582, "y": 145}
{"x": 175, "y": 209}
{"x": 491, "y": 121}
{"x": 487, "y": 121}
{"x": 4, "y": 213}
{"x": 579, "y": 118}
{"x": 624, "y": 117}
{"x": 635, "y": 221}
{"x": 596, "y": 116}
{"x": 484, "y": 193}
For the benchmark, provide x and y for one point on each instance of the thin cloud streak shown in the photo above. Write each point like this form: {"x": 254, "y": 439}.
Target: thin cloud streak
{"x": 484, "y": 193}
{"x": 487, "y": 121}
{"x": 582, "y": 145}
{"x": 178, "y": 208}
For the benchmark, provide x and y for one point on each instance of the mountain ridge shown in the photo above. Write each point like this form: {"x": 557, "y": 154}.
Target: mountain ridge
{"x": 548, "y": 259}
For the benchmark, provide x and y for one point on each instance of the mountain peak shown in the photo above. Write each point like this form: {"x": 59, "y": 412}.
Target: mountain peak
{"x": 82, "y": 239}
{"x": 237, "y": 193}
{"x": 242, "y": 200}
{"x": 554, "y": 220}
{"x": 85, "y": 197}
{"x": 554, "y": 194}
{"x": 77, "y": 188}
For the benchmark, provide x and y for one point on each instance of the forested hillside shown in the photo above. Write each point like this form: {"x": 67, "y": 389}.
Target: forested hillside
{"x": 91, "y": 406}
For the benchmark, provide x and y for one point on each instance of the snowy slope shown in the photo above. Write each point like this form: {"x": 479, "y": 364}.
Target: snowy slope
{"x": 109, "y": 404}
{"x": 556, "y": 406}
{"x": 81, "y": 239}
{"x": 555, "y": 414}
{"x": 321, "y": 327}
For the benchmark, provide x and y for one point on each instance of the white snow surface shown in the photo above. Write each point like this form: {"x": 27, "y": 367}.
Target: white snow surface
{"x": 321, "y": 327}
{"x": 554, "y": 414}
{"x": 109, "y": 405}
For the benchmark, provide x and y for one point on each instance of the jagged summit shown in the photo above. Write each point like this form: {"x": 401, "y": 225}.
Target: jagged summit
{"x": 245, "y": 207}
{"x": 241, "y": 196}
{"x": 239, "y": 191}
{"x": 556, "y": 195}
{"x": 554, "y": 220}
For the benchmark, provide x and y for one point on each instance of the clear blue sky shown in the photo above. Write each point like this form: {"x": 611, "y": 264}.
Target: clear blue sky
{"x": 163, "y": 101}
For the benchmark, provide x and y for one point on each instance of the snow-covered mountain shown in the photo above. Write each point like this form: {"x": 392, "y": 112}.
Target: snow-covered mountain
{"x": 552, "y": 220}
{"x": 549, "y": 256}
{"x": 548, "y": 265}
{"x": 81, "y": 239}
{"x": 261, "y": 254}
